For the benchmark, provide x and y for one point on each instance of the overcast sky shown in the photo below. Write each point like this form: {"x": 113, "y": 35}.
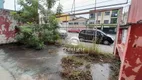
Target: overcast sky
{"x": 67, "y": 4}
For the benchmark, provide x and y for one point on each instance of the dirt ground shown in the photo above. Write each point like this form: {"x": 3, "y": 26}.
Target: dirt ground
{"x": 88, "y": 67}
{"x": 45, "y": 64}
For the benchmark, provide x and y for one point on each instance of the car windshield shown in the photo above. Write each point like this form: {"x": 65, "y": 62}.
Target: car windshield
{"x": 102, "y": 32}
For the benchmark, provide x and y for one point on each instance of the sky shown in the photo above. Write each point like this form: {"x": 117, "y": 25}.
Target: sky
{"x": 67, "y": 4}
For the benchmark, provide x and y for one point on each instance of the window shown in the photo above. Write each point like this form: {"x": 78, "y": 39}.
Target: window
{"x": 92, "y": 15}
{"x": 106, "y": 21}
{"x": 83, "y": 23}
{"x": 99, "y": 13}
{"x": 75, "y": 23}
{"x": 82, "y": 32}
{"x": 90, "y": 32}
{"x": 114, "y": 13}
{"x": 113, "y": 20}
{"x": 91, "y": 22}
{"x": 107, "y": 13}
{"x": 99, "y": 33}
{"x": 70, "y": 23}
{"x": 98, "y": 22}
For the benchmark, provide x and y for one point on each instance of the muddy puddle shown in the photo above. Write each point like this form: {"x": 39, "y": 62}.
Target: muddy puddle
{"x": 43, "y": 64}
{"x": 38, "y": 64}
{"x": 100, "y": 71}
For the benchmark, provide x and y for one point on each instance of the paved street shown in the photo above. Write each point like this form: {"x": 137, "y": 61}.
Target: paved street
{"x": 103, "y": 48}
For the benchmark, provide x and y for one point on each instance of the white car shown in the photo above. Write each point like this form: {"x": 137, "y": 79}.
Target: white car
{"x": 63, "y": 33}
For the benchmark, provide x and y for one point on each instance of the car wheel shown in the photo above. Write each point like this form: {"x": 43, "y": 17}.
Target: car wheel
{"x": 105, "y": 42}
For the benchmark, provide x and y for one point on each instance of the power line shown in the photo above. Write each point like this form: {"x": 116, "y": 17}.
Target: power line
{"x": 100, "y": 7}
{"x": 79, "y": 6}
{"x": 93, "y": 4}
{"x": 88, "y": 12}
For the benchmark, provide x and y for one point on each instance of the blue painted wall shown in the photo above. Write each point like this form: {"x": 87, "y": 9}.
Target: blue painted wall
{"x": 1, "y": 3}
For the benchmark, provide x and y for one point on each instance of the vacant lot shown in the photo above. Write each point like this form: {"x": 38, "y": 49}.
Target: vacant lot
{"x": 45, "y": 64}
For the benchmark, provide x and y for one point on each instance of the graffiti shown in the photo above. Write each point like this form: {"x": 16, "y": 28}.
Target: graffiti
{"x": 7, "y": 28}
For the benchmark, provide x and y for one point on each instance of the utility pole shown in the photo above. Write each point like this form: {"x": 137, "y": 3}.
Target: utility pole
{"x": 15, "y": 3}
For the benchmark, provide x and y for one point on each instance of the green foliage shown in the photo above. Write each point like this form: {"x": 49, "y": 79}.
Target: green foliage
{"x": 59, "y": 9}
{"x": 32, "y": 34}
{"x": 29, "y": 37}
{"x": 28, "y": 13}
{"x": 50, "y": 3}
{"x": 36, "y": 35}
{"x": 50, "y": 30}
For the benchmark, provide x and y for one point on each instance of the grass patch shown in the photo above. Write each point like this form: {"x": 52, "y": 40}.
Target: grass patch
{"x": 77, "y": 75}
{"x": 72, "y": 69}
{"x": 82, "y": 49}
{"x": 93, "y": 52}
{"x": 71, "y": 61}
{"x": 78, "y": 67}
{"x": 87, "y": 56}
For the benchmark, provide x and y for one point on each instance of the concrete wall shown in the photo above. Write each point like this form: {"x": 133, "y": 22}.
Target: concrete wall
{"x": 7, "y": 27}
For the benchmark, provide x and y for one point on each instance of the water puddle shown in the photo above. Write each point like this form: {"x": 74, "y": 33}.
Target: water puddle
{"x": 100, "y": 71}
{"x": 36, "y": 64}
{"x": 42, "y": 65}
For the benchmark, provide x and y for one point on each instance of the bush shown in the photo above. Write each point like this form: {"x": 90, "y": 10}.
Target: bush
{"x": 29, "y": 37}
{"x": 36, "y": 35}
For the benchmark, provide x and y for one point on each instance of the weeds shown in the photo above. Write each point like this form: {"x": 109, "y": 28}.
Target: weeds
{"x": 92, "y": 51}
{"x": 72, "y": 71}
{"x": 79, "y": 67}
{"x": 71, "y": 61}
{"x": 82, "y": 49}
{"x": 77, "y": 75}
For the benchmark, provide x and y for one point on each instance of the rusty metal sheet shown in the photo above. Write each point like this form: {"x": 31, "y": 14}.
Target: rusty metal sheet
{"x": 135, "y": 11}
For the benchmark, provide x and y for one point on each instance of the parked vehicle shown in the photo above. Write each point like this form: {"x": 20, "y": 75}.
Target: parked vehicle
{"x": 63, "y": 33}
{"x": 101, "y": 37}
{"x": 74, "y": 30}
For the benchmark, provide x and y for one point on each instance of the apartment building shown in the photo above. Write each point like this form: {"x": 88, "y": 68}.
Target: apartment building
{"x": 105, "y": 19}
{"x": 104, "y": 16}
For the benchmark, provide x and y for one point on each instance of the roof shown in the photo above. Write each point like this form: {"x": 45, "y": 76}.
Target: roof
{"x": 79, "y": 18}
